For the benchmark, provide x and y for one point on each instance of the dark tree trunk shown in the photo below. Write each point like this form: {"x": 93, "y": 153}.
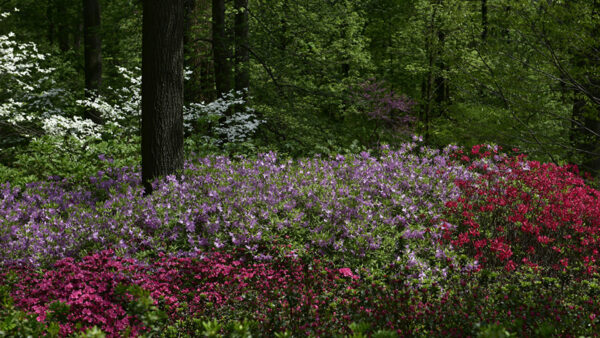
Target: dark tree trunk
{"x": 63, "y": 28}
{"x": 77, "y": 34}
{"x": 586, "y": 103}
{"x": 50, "y": 21}
{"x": 220, "y": 49}
{"x": 162, "y": 89}
{"x": 242, "y": 77}
{"x": 585, "y": 128}
{"x": 92, "y": 54}
{"x": 484, "y": 19}
{"x": 188, "y": 49}
{"x": 442, "y": 88}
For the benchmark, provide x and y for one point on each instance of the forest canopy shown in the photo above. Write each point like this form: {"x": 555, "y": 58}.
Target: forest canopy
{"x": 311, "y": 76}
{"x": 282, "y": 168}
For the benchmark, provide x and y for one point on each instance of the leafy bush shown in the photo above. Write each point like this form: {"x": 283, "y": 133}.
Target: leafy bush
{"x": 357, "y": 209}
{"x": 413, "y": 242}
{"x": 525, "y": 212}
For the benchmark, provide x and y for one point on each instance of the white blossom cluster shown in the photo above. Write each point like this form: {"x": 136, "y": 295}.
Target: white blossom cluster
{"x": 31, "y": 102}
{"x": 122, "y": 112}
{"x": 61, "y": 126}
{"x": 236, "y": 128}
{"x": 29, "y": 99}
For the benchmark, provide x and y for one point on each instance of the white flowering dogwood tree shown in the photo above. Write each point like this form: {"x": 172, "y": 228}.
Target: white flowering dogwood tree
{"x": 31, "y": 104}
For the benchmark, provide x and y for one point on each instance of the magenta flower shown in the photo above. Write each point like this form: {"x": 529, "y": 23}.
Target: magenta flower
{"x": 346, "y": 272}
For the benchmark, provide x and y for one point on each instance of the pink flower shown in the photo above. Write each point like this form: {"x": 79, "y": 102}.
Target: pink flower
{"x": 346, "y": 272}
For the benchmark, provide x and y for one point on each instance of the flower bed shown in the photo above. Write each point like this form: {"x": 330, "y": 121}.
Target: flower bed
{"x": 410, "y": 242}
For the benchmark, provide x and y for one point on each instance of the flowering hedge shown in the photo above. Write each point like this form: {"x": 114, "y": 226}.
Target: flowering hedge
{"x": 356, "y": 209}
{"x": 307, "y": 298}
{"x": 413, "y": 241}
{"x": 520, "y": 212}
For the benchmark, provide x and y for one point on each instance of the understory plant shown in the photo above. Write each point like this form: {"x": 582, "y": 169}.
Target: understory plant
{"x": 519, "y": 212}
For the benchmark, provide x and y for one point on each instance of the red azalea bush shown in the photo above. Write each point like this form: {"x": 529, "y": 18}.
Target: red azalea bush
{"x": 279, "y": 293}
{"x": 305, "y": 298}
{"x": 87, "y": 287}
{"x": 519, "y": 212}
{"x": 524, "y": 303}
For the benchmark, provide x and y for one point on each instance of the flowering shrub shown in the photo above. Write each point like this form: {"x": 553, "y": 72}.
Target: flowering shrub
{"x": 30, "y": 103}
{"x": 388, "y": 111}
{"x": 414, "y": 241}
{"x": 359, "y": 209}
{"x": 288, "y": 294}
{"x": 94, "y": 291}
{"x": 238, "y": 127}
{"x": 520, "y": 212}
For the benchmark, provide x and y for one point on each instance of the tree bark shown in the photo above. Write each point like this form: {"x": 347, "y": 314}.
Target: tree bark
{"x": 162, "y": 89}
{"x": 63, "y": 28}
{"x": 188, "y": 49}
{"x": 242, "y": 76}
{"x": 484, "y": 20}
{"x": 92, "y": 54}
{"x": 220, "y": 49}
{"x": 50, "y": 21}
{"x": 586, "y": 105}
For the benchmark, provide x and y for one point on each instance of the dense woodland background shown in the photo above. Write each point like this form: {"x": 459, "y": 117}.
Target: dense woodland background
{"x": 325, "y": 77}
{"x": 362, "y": 189}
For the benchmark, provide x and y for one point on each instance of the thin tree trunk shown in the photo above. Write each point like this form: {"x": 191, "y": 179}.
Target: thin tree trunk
{"x": 63, "y": 30}
{"x": 77, "y": 34}
{"x": 442, "y": 89}
{"x": 220, "y": 49}
{"x": 188, "y": 49}
{"x": 92, "y": 54}
{"x": 50, "y": 20}
{"x": 484, "y": 20}
{"x": 242, "y": 76}
{"x": 162, "y": 89}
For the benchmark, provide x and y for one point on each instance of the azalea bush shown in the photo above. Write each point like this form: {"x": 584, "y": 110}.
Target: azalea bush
{"x": 359, "y": 210}
{"x": 401, "y": 242}
{"x": 381, "y": 114}
{"x": 174, "y": 296}
{"x": 520, "y": 212}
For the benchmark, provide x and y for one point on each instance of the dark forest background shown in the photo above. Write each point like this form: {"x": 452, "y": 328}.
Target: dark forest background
{"x": 313, "y": 76}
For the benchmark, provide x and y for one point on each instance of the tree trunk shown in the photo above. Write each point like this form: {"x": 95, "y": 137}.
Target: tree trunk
{"x": 242, "y": 77}
{"x": 162, "y": 89}
{"x": 92, "y": 54}
{"x": 188, "y": 50}
{"x": 442, "y": 88}
{"x": 484, "y": 20}
{"x": 220, "y": 49}
{"x": 586, "y": 102}
{"x": 50, "y": 21}
{"x": 63, "y": 28}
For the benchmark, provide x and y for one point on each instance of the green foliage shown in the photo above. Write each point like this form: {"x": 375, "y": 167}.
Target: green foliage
{"x": 302, "y": 71}
{"x": 16, "y": 323}
{"x": 68, "y": 158}
{"x": 494, "y": 331}
{"x": 142, "y": 306}
{"x": 213, "y": 328}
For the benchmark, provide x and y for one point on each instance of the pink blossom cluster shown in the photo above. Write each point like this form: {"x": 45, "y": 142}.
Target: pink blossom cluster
{"x": 208, "y": 284}
{"x": 520, "y": 212}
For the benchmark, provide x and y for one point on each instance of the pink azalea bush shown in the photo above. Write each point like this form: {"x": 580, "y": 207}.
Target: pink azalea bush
{"x": 520, "y": 212}
{"x": 208, "y": 284}
{"x": 414, "y": 241}
{"x": 307, "y": 298}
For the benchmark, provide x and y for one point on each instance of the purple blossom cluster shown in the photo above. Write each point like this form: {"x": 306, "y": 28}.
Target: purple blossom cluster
{"x": 385, "y": 105}
{"x": 357, "y": 209}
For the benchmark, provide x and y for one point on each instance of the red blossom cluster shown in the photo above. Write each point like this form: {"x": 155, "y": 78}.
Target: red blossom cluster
{"x": 519, "y": 212}
{"x": 273, "y": 292}
{"x": 306, "y": 298}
